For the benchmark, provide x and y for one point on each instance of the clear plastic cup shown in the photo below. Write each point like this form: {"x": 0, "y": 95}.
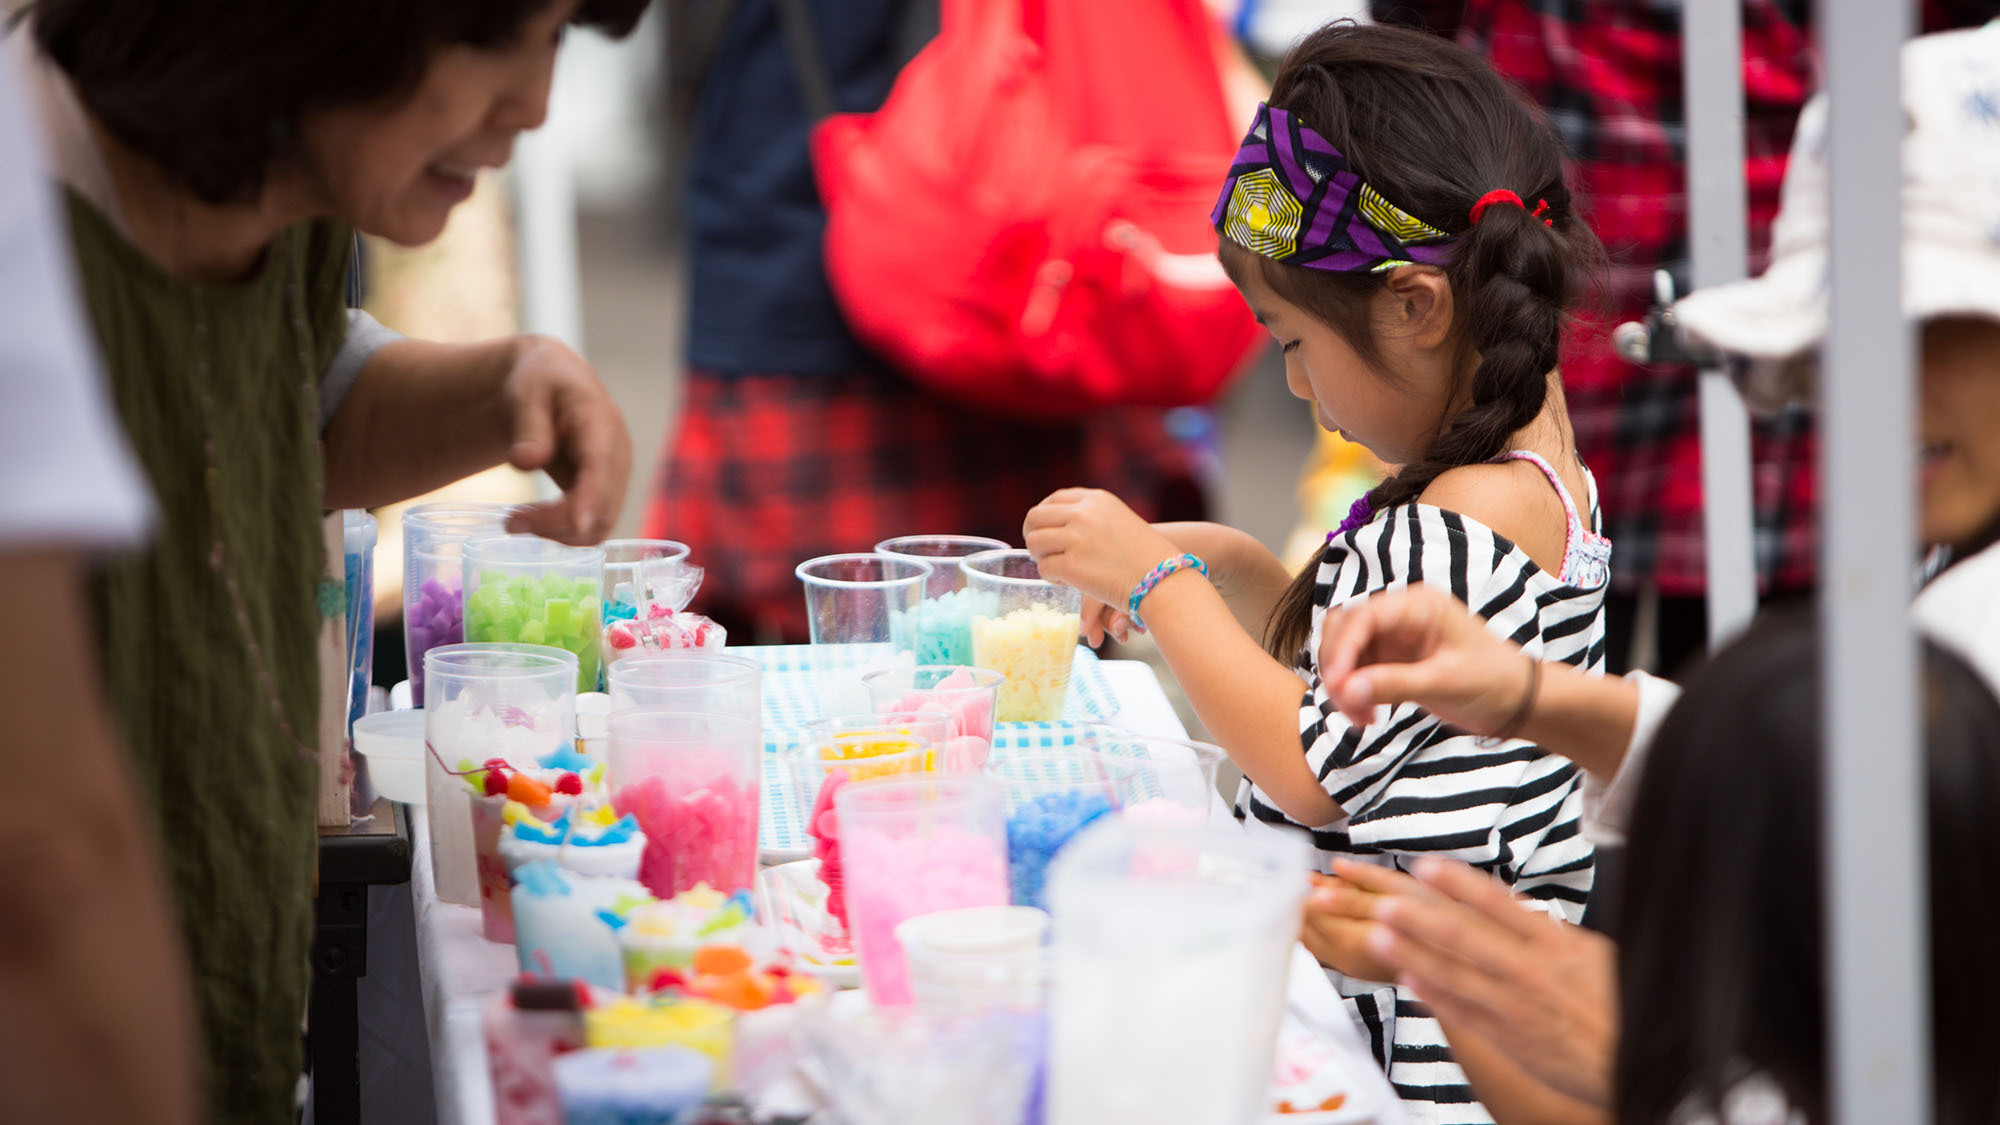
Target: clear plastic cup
{"x": 942, "y": 632}
{"x": 1050, "y": 799}
{"x": 1173, "y": 772}
{"x": 516, "y": 702}
{"x": 1170, "y": 953}
{"x": 710, "y": 682}
{"x": 622, "y": 585}
{"x": 978, "y": 959}
{"x": 434, "y": 539}
{"x": 967, "y": 697}
{"x": 1027, "y": 631}
{"x": 692, "y": 779}
{"x": 876, "y": 733}
{"x": 862, "y": 610}
{"x": 914, "y": 846}
{"x": 814, "y": 764}
{"x": 523, "y": 589}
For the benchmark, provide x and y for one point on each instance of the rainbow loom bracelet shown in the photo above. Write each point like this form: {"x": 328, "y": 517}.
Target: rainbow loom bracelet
{"x": 1152, "y": 579}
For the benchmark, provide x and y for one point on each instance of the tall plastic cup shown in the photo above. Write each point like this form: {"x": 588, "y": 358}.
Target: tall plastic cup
{"x": 516, "y": 702}
{"x": 1174, "y": 773}
{"x": 1026, "y": 630}
{"x": 523, "y": 589}
{"x": 692, "y": 780}
{"x": 967, "y": 697}
{"x": 434, "y": 539}
{"x": 943, "y": 632}
{"x": 1171, "y": 947}
{"x": 711, "y": 682}
{"x": 916, "y": 846}
{"x": 862, "y": 611}
{"x": 358, "y": 534}
{"x": 1050, "y": 799}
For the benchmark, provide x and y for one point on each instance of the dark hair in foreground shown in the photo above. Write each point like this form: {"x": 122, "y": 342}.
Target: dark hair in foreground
{"x": 1430, "y": 125}
{"x": 1721, "y": 966}
{"x": 213, "y": 90}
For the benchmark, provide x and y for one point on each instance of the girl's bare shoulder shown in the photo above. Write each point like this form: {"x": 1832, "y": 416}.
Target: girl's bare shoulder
{"x": 1512, "y": 498}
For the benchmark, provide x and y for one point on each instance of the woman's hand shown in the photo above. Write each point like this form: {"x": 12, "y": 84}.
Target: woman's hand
{"x": 564, "y": 421}
{"x": 1421, "y": 645}
{"x": 1089, "y": 539}
{"x": 1339, "y": 920}
{"x": 1543, "y": 992}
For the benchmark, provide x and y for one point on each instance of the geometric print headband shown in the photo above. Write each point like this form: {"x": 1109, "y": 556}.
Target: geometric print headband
{"x": 1291, "y": 196}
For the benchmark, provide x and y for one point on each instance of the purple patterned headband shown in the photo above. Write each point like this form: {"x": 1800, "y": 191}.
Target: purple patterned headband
{"x": 1291, "y": 196}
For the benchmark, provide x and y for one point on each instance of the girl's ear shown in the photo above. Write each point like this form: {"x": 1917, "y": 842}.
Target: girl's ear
{"x": 1420, "y": 306}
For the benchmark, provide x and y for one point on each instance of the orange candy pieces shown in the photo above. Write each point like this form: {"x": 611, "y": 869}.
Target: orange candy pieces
{"x": 720, "y": 960}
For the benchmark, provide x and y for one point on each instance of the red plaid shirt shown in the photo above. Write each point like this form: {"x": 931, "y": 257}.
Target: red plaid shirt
{"x": 1609, "y": 74}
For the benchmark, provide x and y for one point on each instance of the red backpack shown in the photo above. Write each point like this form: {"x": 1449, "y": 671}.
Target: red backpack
{"x": 1024, "y": 224}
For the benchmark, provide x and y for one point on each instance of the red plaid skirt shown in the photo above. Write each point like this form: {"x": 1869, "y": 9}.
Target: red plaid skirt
{"x": 768, "y": 470}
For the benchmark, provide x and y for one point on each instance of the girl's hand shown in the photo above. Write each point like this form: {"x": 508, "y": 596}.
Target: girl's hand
{"x": 1339, "y": 921}
{"x": 1545, "y": 993}
{"x": 1421, "y": 645}
{"x": 1101, "y": 621}
{"x": 1088, "y": 539}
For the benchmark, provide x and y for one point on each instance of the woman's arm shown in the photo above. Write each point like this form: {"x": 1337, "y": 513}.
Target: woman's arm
{"x": 1421, "y": 645}
{"x": 421, "y": 415}
{"x": 1250, "y": 703}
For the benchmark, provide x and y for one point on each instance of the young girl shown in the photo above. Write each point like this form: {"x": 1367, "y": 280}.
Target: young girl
{"x": 1398, "y": 219}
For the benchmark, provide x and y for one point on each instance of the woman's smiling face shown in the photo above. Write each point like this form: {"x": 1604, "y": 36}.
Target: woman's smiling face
{"x": 397, "y": 169}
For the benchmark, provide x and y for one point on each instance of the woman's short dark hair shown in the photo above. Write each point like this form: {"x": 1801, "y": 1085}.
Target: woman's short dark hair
{"x": 213, "y": 91}
{"x": 1721, "y": 965}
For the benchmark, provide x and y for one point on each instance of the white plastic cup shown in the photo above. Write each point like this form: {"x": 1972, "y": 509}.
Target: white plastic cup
{"x": 976, "y": 959}
{"x": 1171, "y": 949}
{"x": 862, "y": 611}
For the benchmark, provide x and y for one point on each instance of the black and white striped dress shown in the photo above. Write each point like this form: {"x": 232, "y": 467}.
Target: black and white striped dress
{"x": 1413, "y": 786}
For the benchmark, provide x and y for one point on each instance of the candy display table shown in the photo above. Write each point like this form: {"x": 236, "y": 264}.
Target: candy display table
{"x": 461, "y": 970}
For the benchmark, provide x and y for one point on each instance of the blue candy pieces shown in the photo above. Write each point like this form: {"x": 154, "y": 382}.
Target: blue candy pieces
{"x": 1037, "y": 829}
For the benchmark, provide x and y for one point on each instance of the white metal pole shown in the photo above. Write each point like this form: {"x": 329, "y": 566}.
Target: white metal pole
{"x": 1718, "y": 223}
{"x": 1878, "y": 972}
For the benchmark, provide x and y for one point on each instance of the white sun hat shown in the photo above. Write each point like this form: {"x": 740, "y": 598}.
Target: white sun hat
{"x": 1951, "y": 212}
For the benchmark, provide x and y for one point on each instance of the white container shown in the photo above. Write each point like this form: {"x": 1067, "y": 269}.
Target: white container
{"x": 976, "y": 959}
{"x": 1170, "y": 958}
{"x": 393, "y": 744}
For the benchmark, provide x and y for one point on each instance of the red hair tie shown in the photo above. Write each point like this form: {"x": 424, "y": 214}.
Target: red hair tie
{"x": 1502, "y": 195}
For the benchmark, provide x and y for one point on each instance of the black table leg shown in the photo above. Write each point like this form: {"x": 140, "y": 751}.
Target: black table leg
{"x": 340, "y": 959}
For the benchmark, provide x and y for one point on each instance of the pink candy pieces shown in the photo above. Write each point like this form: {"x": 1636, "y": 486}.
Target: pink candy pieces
{"x": 825, "y": 832}
{"x": 971, "y": 711}
{"x": 891, "y": 877}
{"x": 705, "y": 833}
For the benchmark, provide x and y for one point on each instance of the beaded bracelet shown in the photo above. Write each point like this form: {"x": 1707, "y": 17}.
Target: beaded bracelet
{"x": 1152, "y": 579}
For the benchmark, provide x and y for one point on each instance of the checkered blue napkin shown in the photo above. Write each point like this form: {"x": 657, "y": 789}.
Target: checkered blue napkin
{"x": 791, "y": 704}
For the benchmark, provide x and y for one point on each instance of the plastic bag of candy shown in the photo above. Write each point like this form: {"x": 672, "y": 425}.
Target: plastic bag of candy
{"x": 651, "y": 614}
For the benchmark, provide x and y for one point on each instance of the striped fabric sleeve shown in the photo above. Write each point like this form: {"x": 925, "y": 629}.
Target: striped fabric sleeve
{"x": 1412, "y": 785}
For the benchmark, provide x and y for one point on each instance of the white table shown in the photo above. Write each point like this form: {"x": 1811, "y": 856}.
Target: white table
{"x": 461, "y": 969}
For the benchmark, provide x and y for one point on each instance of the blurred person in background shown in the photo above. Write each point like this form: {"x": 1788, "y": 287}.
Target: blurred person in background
{"x": 99, "y": 1019}
{"x": 217, "y": 158}
{"x": 1609, "y": 74}
{"x": 794, "y": 440}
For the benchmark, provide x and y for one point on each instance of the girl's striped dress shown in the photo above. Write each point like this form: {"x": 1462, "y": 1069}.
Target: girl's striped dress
{"x": 1412, "y": 786}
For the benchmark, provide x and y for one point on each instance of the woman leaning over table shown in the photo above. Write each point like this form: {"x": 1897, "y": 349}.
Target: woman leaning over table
{"x": 218, "y": 156}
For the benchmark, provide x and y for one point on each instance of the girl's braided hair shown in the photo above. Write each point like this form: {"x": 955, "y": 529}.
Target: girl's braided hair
{"x": 1431, "y": 126}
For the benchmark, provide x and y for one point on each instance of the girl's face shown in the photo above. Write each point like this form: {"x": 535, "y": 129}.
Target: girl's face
{"x": 396, "y": 170}
{"x": 1959, "y": 420}
{"x": 1393, "y": 407}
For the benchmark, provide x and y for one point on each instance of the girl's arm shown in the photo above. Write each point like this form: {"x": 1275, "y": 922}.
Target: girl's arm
{"x": 421, "y": 415}
{"x": 1250, "y": 703}
{"x": 1244, "y": 571}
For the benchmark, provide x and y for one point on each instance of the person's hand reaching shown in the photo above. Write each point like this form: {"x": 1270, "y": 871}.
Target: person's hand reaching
{"x": 1089, "y": 539}
{"x": 1543, "y": 992}
{"x": 1339, "y": 920}
{"x": 564, "y": 421}
{"x": 1421, "y": 645}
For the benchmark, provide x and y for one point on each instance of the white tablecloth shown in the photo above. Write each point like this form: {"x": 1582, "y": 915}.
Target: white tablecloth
{"x": 461, "y": 969}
